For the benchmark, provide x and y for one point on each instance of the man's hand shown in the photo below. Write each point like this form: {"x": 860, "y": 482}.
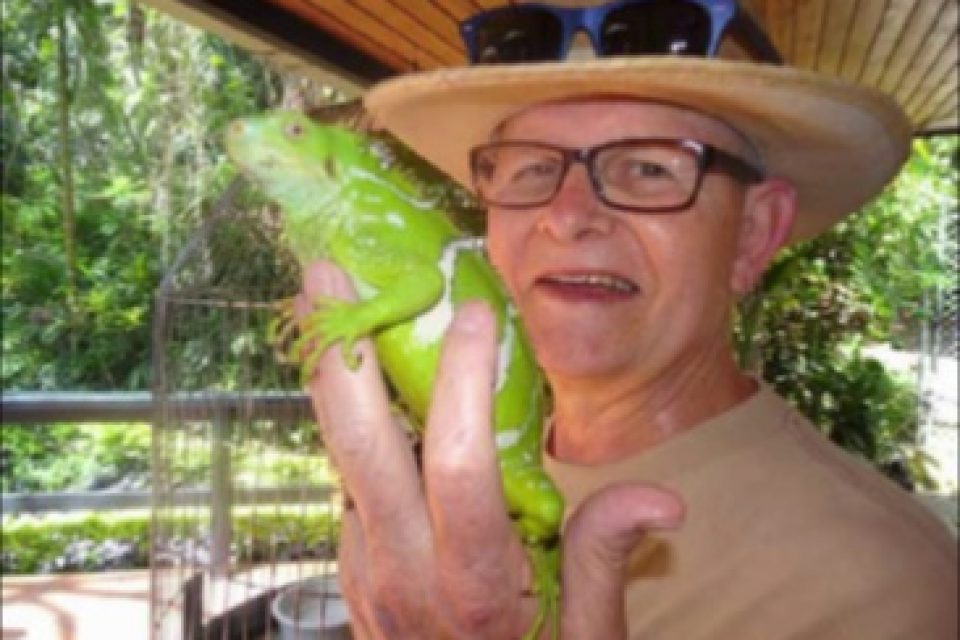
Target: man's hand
{"x": 436, "y": 557}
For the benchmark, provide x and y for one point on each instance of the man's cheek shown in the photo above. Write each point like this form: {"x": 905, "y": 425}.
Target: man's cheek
{"x": 499, "y": 258}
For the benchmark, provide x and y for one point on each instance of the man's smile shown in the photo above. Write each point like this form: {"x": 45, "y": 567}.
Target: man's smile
{"x": 587, "y": 285}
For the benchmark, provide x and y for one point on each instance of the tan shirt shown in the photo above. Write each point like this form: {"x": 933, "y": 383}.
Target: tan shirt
{"x": 786, "y": 536}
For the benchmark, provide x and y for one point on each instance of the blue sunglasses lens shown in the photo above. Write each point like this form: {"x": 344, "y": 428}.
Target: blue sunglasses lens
{"x": 538, "y": 33}
{"x": 657, "y": 27}
{"x": 517, "y": 35}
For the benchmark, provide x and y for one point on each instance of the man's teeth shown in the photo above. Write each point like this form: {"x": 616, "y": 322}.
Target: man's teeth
{"x": 596, "y": 280}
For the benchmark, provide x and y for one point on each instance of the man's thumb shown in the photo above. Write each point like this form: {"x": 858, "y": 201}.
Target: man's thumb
{"x": 598, "y": 540}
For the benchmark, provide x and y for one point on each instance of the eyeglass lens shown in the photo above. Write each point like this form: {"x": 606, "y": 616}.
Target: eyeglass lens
{"x": 644, "y": 175}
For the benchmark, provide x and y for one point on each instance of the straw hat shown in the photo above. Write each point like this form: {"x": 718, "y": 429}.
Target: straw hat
{"x": 838, "y": 143}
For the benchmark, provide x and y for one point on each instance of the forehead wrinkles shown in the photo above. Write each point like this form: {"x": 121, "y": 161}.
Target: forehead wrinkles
{"x": 625, "y": 115}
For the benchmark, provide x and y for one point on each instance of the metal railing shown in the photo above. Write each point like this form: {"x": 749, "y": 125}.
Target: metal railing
{"x": 40, "y": 409}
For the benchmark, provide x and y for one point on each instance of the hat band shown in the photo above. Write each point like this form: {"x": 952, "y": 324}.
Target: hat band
{"x": 541, "y": 33}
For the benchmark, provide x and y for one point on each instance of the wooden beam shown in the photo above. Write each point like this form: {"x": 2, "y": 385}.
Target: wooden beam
{"x": 781, "y": 16}
{"x": 916, "y": 34}
{"x": 940, "y": 93}
{"x": 436, "y": 36}
{"x": 945, "y": 120}
{"x": 836, "y": 30}
{"x": 343, "y": 32}
{"x": 891, "y": 32}
{"x": 438, "y": 20}
{"x": 937, "y": 43}
{"x": 282, "y": 40}
{"x": 941, "y": 75}
{"x": 491, "y": 4}
{"x": 365, "y": 31}
{"x": 808, "y": 32}
{"x": 862, "y": 35}
{"x": 459, "y": 9}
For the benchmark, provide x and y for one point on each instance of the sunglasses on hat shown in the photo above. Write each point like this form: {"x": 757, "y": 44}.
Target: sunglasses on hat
{"x": 541, "y": 33}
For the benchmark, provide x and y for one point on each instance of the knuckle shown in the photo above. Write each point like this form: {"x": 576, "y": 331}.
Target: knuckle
{"x": 477, "y": 617}
{"x": 478, "y": 606}
{"x": 455, "y": 474}
{"x": 388, "y": 596}
{"x": 386, "y": 621}
{"x": 451, "y": 475}
{"x": 392, "y": 611}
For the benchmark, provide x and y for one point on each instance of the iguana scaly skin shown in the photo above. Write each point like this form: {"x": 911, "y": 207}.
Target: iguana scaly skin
{"x": 411, "y": 267}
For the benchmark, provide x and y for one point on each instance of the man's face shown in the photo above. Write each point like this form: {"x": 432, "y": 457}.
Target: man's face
{"x": 602, "y": 291}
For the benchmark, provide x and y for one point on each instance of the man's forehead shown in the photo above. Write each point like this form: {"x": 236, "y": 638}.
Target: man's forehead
{"x": 685, "y": 120}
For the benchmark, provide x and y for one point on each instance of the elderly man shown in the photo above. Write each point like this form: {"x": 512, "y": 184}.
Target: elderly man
{"x": 631, "y": 200}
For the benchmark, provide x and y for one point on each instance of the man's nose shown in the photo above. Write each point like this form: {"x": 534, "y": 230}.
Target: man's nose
{"x": 575, "y": 211}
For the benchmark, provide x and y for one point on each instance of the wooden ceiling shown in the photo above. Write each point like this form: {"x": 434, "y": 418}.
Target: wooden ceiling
{"x": 908, "y": 48}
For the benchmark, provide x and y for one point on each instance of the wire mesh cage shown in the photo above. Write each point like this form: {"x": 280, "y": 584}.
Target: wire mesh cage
{"x": 246, "y": 506}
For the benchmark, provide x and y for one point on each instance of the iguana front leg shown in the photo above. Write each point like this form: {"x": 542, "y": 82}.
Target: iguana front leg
{"x": 388, "y": 297}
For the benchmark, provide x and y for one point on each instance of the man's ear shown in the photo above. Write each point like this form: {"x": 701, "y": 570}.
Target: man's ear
{"x": 769, "y": 210}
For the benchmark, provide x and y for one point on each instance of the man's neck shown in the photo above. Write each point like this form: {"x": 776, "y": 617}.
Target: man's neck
{"x": 598, "y": 422}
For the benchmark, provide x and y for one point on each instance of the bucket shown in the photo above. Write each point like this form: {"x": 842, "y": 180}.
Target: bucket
{"x": 312, "y": 609}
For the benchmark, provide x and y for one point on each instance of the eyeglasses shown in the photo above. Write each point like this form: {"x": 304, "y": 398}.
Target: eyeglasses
{"x": 641, "y": 175}
{"x": 539, "y": 32}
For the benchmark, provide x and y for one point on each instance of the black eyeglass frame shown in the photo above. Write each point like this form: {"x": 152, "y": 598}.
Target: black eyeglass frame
{"x": 727, "y": 18}
{"x": 708, "y": 158}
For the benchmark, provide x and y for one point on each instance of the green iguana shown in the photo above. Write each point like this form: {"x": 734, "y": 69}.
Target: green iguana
{"x": 411, "y": 266}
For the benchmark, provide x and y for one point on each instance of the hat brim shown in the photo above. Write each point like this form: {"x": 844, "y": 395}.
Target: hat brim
{"x": 836, "y": 142}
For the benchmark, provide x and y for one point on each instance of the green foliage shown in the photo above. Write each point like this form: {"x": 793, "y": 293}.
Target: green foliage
{"x": 35, "y": 545}
{"x": 259, "y": 456}
{"x": 258, "y": 464}
{"x": 31, "y": 545}
{"x": 865, "y": 280}
{"x": 118, "y": 450}
{"x": 96, "y": 455}
{"x": 146, "y": 101}
{"x": 64, "y": 457}
{"x": 35, "y": 460}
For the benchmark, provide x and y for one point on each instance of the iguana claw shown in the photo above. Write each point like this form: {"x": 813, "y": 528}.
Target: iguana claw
{"x": 281, "y": 328}
{"x": 331, "y": 322}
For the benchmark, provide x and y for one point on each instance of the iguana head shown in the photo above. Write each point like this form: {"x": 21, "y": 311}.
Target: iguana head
{"x": 296, "y": 161}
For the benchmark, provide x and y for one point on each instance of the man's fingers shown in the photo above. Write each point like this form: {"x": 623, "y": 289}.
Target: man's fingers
{"x": 353, "y": 574}
{"x": 472, "y": 532}
{"x": 371, "y": 453}
{"x": 598, "y": 540}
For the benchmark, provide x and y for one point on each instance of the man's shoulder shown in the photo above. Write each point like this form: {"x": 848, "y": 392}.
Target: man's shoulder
{"x": 800, "y": 476}
{"x": 799, "y": 536}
